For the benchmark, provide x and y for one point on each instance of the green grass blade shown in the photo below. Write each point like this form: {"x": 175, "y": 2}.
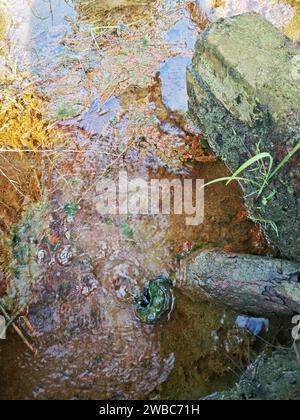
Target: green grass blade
{"x": 285, "y": 160}
{"x": 216, "y": 181}
{"x": 250, "y": 162}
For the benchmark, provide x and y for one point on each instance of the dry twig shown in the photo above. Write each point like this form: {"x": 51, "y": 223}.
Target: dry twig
{"x": 11, "y": 321}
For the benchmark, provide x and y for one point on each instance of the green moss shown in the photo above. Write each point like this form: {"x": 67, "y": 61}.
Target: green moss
{"x": 25, "y": 266}
{"x": 126, "y": 230}
{"x": 291, "y": 290}
{"x": 70, "y": 210}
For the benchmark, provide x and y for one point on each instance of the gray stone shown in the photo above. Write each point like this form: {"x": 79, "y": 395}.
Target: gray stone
{"x": 247, "y": 283}
{"x": 244, "y": 94}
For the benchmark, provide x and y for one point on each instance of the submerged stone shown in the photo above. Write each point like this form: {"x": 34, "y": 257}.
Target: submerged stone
{"x": 97, "y": 117}
{"x": 156, "y": 302}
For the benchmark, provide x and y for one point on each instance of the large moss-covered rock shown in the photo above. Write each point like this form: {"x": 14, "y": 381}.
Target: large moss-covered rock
{"x": 244, "y": 93}
{"x": 270, "y": 378}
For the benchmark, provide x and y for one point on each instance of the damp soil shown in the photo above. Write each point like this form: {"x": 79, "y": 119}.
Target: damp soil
{"x": 114, "y": 82}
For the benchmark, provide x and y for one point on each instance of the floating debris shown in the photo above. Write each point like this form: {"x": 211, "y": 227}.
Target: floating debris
{"x": 101, "y": 11}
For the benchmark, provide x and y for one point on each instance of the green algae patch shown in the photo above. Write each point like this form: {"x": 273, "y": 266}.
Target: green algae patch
{"x": 3, "y": 20}
{"x": 25, "y": 268}
{"x": 2, "y": 23}
{"x": 70, "y": 211}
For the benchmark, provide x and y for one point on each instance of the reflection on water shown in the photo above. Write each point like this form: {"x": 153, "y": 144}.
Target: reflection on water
{"x": 112, "y": 94}
{"x": 173, "y": 77}
{"x": 95, "y": 120}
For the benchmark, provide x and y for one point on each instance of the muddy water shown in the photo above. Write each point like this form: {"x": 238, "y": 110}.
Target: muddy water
{"x": 110, "y": 91}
